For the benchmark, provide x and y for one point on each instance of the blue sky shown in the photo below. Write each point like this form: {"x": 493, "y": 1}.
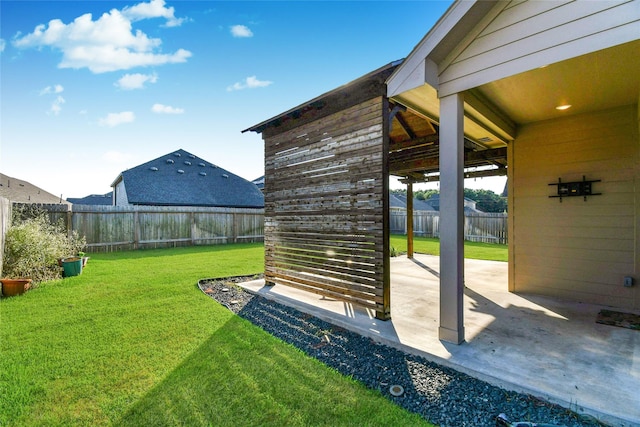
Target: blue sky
{"x": 91, "y": 88}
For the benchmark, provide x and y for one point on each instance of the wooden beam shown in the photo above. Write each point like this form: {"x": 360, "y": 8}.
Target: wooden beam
{"x": 405, "y": 126}
{"x": 416, "y": 178}
{"x": 432, "y": 164}
{"x": 414, "y": 143}
{"x": 409, "y": 220}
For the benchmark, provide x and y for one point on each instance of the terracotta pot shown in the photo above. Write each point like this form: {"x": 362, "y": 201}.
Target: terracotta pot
{"x": 12, "y": 287}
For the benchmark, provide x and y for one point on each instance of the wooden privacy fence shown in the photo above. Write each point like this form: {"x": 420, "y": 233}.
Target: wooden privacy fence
{"x": 113, "y": 228}
{"x": 5, "y": 221}
{"x": 478, "y": 227}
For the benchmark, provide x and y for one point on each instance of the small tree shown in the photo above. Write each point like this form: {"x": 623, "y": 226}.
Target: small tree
{"x": 34, "y": 245}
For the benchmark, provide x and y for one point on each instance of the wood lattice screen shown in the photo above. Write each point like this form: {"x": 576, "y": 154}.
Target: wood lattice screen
{"x": 326, "y": 222}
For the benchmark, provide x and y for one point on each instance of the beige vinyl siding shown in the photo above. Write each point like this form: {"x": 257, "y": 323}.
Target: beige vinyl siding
{"x": 530, "y": 34}
{"x": 575, "y": 248}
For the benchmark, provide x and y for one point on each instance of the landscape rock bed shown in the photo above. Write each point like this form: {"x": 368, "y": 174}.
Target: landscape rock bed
{"x": 441, "y": 395}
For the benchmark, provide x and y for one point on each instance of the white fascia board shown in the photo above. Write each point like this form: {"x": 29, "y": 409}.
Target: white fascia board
{"x": 408, "y": 75}
{"x": 117, "y": 180}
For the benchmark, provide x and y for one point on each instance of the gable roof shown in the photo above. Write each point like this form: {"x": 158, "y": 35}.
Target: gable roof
{"x": 183, "y": 179}
{"x": 259, "y": 182}
{"x": 93, "y": 199}
{"x": 18, "y": 190}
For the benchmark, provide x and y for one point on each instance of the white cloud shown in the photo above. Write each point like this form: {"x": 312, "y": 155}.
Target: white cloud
{"x": 166, "y": 109}
{"x": 56, "y": 106}
{"x": 107, "y": 44}
{"x": 135, "y": 81}
{"x": 249, "y": 83}
{"x": 115, "y": 119}
{"x": 116, "y": 157}
{"x": 241, "y": 31}
{"x": 3, "y": 44}
{"x": 52, "y": 89}
{"x": 153, "y": 9}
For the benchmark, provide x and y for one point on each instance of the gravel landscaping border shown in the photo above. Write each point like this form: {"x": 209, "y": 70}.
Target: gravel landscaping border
{"x": 443, "y": 396}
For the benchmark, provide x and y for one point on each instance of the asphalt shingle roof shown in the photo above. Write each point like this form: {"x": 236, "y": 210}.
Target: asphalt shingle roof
{"x": 18, "y": 190}
{"x": 93, "y": 199}
{"x": 183, "y": 179}
{"x": 400, "y": 201}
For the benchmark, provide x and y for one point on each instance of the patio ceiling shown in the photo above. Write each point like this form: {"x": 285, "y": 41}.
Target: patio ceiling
{"x": 414, "y": 149}
{"x": 597, "y": 81}
{"x": 605, "y": 79}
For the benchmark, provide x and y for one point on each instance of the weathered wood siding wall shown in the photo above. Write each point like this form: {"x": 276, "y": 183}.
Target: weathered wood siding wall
{"x": 478, "y": 227}
{"x": 325, "y": 216}
{"x": 112, "y": 228}
{"x": 577, "y": 249}
{"x": 522, "y": 35}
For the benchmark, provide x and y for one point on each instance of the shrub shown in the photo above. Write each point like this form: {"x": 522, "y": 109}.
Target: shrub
{"x": 33, "y": 246}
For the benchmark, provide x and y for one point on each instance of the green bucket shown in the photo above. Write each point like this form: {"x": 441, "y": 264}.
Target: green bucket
{"x": 72, "y": 266}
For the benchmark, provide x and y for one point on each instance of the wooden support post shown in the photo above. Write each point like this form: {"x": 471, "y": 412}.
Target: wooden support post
{"x": 192, "y": 220}
{"x": 136, "y": 229}
{"x": 385, "y": 313}
{"x": 409, "y": 220}
{"x": 69, "y": 221}
{"x": 451, "y": 218}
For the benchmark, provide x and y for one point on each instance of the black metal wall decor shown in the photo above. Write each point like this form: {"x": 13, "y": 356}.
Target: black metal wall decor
{"x": 573, "y": 189}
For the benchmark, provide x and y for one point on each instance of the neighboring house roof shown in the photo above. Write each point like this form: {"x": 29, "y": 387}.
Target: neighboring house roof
{"x": 17, "y": 190}
{"x": 183, "y": 179}
{"x": 469, "y": 205}
{"x": 93, "y": 199}
{"x": 400, "y": 201}
{"x": 259, "y": 182}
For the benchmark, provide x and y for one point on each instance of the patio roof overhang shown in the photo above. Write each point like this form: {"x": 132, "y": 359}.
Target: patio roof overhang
{"x": 502, "y": 97}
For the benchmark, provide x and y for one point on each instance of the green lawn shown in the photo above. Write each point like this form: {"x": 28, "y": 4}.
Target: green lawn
{"x": 133, "y": 341}
{"x": 431, "y": 246}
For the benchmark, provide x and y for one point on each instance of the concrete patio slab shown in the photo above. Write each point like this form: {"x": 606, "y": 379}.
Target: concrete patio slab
{"x": 547, "y": 347}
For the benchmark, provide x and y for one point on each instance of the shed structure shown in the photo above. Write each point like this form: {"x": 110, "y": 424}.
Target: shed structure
{"x": 326, "y": 185}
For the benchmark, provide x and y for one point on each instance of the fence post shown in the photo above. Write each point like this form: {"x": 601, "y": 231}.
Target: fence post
{"x": 136, "y": 229}
{"x": 192, "y": 217}
{"x": 69, "y": 221}
{"x": 234, "y": 216}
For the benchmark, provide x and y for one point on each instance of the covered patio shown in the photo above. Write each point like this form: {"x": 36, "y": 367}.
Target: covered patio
{"x": 550, "y": 348}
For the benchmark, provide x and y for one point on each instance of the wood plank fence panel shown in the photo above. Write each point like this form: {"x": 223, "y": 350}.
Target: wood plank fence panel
{"x": 112, "y": 228}
{"x": 478, "y": 227}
